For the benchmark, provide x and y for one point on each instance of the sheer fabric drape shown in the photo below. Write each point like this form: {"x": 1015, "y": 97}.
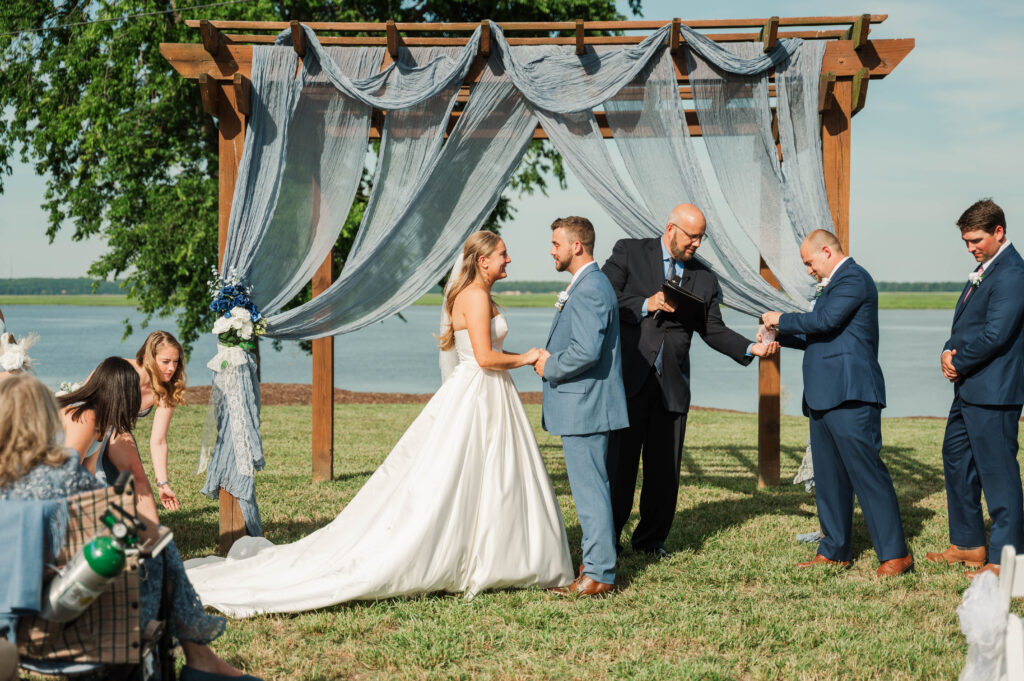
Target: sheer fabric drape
{"x": 307, "y": 142}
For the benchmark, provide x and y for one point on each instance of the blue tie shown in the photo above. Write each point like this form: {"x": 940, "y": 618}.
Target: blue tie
{"x": 659, "y": 361}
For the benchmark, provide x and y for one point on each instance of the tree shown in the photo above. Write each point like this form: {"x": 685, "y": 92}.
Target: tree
{"x": 128, "y": 151}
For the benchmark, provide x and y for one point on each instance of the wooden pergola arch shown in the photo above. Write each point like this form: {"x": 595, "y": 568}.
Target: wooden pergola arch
{"x": 221, "y": 64}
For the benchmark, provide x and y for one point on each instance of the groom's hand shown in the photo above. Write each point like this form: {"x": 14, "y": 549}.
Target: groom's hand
{"x": 541, "y": 361}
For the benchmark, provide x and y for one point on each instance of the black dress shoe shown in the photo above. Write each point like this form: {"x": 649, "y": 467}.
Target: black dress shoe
{"x": 657, "y": 552}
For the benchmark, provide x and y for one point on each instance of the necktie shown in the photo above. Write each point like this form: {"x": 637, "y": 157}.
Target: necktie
{"x": 971, "y": 288}
{"x": 659, "y": 361}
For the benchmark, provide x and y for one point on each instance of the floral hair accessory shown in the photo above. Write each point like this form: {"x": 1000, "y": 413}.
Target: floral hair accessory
{"x": 14, "y": 355}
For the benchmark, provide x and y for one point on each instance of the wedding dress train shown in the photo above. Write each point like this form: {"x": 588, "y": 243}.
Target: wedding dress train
{"x": 462, "y": 503}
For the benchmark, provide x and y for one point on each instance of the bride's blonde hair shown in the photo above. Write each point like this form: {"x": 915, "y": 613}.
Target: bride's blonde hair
{"x": 478, "y": 245}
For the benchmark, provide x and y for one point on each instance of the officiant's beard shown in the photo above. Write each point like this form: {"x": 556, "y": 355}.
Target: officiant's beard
{"x": 680, "y": 254}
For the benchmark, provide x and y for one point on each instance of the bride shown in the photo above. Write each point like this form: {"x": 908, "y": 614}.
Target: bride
{"x": 462, "y": 503}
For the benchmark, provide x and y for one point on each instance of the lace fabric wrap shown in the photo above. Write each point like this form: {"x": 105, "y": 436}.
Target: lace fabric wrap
{"x": 232, "y": 450}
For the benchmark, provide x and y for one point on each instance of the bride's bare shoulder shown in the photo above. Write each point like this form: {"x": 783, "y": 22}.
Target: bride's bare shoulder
{"x": 471, "y": 298}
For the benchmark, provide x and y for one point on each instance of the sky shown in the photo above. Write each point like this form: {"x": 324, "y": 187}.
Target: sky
{"x": 943, "y": 130}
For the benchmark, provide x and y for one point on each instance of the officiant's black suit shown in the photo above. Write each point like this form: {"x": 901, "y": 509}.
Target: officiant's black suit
{"x": 657, "y": 402}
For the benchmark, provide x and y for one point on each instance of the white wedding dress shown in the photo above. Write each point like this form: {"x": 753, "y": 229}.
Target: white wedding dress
{"x": 462, "y": 503}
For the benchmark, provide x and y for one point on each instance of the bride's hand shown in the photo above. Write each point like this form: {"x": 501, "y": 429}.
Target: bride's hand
{"x": 531, "y": 356}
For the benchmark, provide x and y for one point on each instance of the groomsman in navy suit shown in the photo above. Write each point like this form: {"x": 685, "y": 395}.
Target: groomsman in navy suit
{"x": 844, "y": 394}
{"x": 984, "y": 360}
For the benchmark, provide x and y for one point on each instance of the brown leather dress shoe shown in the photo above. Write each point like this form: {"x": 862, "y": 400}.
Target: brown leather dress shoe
{"x": 585, "y": 586}
{"x": 822, "y": 560}
{"x": 970, "y": 557}
{"x": 895, "y": 566}
{"x": 989, "y": 567}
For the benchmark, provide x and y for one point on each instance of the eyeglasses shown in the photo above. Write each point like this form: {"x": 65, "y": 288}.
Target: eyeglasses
{"x": 693, "y": 237}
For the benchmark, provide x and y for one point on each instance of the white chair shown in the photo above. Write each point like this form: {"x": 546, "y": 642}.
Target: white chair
{"x": 1011, "y": 584}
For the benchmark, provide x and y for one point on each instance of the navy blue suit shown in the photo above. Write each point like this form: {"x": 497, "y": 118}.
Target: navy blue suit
{"x": 844, "y": 394}
{"x": 980, "y": 448}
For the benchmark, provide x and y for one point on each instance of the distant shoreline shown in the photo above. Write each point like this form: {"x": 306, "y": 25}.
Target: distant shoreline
{"x": 887, "y": 300}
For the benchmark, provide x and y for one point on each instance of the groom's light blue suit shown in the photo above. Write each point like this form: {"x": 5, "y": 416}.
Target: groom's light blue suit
{"x": 583, "y": 401}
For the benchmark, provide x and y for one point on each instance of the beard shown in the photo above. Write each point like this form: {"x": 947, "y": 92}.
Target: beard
{"x": 561, "y": 265}
{"x": 680, "y": 254}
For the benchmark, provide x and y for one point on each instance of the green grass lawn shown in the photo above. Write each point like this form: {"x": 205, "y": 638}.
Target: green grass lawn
{"x": 727, "y": 605}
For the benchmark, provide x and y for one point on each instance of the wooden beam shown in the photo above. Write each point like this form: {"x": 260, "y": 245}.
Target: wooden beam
{"x": 858, "y": 33}
{"x": 581, "y": 45}
{"x": 880, "y": 57}
{"x": 485, "y": 38}
{"x": 860, "y": 91}
{"x": 826, "y": 87}
{"x": 770, "y": 34}
{"x": 211, "y": 36}
{"x": 835, "y": 157}
{"x": 675, "y": 35}
{"x": 647, "y": 24}
{"x": 298, "y": 39}
{"x": 392, "y": 39}
{"x": 243, "y": 94}
{"x": 208, "y": 89}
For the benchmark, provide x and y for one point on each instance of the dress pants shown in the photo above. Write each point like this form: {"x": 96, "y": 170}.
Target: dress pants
{"x": 845, "y": 446}
{"x": 588, "y": 479}
{"x": 654, "y": 435}
{"x": 979, "y": 453}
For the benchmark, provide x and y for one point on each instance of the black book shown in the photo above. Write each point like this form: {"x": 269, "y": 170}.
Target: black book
{"x": 690, "y": 309}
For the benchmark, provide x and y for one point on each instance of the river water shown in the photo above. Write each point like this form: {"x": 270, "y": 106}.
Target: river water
{"x": 401, "y": 356}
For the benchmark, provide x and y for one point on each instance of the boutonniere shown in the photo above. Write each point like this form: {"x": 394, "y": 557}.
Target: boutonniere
{"x": 820, "y": 286}
{"x": 975, "y": 278}
{"x": 560, "y": 303}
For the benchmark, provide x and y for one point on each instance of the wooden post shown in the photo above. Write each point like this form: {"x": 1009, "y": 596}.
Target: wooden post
{"x": 323, "y": 390}
{"x": 769, "y": 409}
{"x": 231, "y": 132}
{"x": 835, "y": 157}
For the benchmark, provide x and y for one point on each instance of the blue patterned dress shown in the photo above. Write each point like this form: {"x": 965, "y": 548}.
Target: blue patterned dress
{"x": 188, "y": 621}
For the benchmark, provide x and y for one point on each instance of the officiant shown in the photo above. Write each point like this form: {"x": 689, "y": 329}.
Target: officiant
{"x": 655, "y": 341}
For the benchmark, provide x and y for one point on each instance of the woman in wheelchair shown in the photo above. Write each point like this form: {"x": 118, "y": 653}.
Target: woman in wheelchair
{"x": 34, "y": 465}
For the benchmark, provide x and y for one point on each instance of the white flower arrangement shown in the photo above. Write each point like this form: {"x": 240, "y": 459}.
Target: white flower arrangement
{"x": 975, "y": 278}
{"x": 67, "y": 387}
{"x": 14, "y": 355}
{"x": 562, "y": 298}
{"x": 239, "y": 323}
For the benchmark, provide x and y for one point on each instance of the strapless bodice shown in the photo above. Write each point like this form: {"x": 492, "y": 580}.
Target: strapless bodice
{"x": 464, "y": 349}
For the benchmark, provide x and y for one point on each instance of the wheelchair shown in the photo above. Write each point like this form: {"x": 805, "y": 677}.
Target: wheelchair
{"x": 108, "y": 640}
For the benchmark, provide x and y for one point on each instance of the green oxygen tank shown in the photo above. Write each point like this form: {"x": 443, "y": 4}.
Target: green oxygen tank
{"x": 87, "y": 576}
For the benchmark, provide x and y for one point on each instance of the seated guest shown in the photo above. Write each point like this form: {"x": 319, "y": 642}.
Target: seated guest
{"x": 99, "y": 412}
{"x": 34, "y": 466}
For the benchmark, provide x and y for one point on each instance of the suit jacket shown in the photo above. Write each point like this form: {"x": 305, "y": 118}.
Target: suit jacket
{"x": 840, "y": 342}
{"x": 583, "y": 391}
{"x": 988, "y": 335}
{"x": 635, "y": 270}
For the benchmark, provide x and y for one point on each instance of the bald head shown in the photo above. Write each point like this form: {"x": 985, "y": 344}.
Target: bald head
{"x": 684, "y": 232}
{"x": 821, "y": 252}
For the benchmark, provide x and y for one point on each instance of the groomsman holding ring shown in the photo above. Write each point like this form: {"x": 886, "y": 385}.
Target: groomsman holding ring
{"x": 844, "y": 393}
{"x": 984, "y": 360}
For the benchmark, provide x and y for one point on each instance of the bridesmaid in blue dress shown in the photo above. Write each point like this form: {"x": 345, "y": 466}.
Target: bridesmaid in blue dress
{"x": 34, "y": 466}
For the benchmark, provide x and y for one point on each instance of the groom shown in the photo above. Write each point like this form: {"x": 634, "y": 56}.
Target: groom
{"x": 583, "y": 395}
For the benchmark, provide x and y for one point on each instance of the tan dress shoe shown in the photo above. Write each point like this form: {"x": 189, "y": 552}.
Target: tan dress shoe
{"x": 822, "y": 560}
{"x": 585, "y": 586}
{"x": 895, "y": 566}
{"x": 970, "y": 557}
{"x": 989, "y": 567}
